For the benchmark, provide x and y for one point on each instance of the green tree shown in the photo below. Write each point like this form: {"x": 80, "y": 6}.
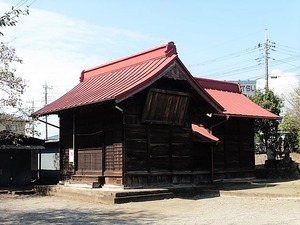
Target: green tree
{"x": 291, "y": 120}
{"x": 267, "y": 130}
{"x": 10, "y": 18}
{"x": 11, "y": 86}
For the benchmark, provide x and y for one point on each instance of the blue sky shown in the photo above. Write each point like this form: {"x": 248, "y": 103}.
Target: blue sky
{"x": 214, "y": 39}
{"x": 201, "y": 29}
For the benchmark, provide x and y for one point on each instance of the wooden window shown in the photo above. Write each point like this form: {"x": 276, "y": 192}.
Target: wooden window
{"x": 113, "y": 158}
{"x": 165, "y": 107}
{"x": 90, "y": 159}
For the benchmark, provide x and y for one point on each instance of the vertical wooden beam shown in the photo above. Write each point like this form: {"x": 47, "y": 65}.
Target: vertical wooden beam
{"x": 170, "y": 149}
{"x": 61, "y": 153}
{"x": 253, "y": 144}
{"x": 74, "y": 143}
{"x": 239, "y": 140}
{"x": 148, "y": 147}
{"x": 211, "y": 162}
{"x": 123, "y": 144}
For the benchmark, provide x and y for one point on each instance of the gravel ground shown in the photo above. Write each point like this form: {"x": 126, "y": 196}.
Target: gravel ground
{"x": 266, "y": 205}
{"x": 229, "y": 210}
{"x": 260, "y": 158}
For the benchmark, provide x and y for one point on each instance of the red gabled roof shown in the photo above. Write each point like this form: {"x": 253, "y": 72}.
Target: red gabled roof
{"x": 219, "y": 85}
{"x": 162, "y": 52}
{"x": 229, "y": 95}
{"x": 115, "y": 80}
{"x": 121, "y": 79}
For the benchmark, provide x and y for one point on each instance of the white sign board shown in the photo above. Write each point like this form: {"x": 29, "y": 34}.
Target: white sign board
{"x": 71, "y": 155}
{"x": 248, "y": 87}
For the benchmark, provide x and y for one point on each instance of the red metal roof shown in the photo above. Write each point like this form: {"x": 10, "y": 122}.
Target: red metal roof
{"x": 114, "y": 80}
{"x": 204, "y": 134}
{"x": 230, "y": 96}
{"x": 219, "y": 85}
{"x": 121, "y": 79}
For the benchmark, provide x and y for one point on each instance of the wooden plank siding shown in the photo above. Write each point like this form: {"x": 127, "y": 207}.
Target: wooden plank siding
{"x": 165, "y": 107}
{"x": 98, "y": 143}
{"x": 155, "y": 154}
{"x": 141, "y": 148}
{"x": 157, "y": 141}
{"x": 234, "y": 155}
{"x": 90, "y": 160}
{"x": 201, "y": 157}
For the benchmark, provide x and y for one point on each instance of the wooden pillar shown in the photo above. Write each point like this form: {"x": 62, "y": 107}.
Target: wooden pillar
{"x": 74, "y": 144}
{"x": 211, "y": 162}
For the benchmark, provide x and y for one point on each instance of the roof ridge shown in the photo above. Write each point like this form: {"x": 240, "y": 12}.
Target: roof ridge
{"x": 165, "y": 50}
{"x": 219, "y": 85}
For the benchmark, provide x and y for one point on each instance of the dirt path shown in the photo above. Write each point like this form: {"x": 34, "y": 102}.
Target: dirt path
{"x": 209, "y": 211}
{"x": 266, "y": 204}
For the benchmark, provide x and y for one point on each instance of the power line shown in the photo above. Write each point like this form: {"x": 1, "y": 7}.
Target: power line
{"x": 226, "y": 57}
{"x": 240, "y": 62}
{"x": 288, "y": 47}
{"x": 231, "y": 41}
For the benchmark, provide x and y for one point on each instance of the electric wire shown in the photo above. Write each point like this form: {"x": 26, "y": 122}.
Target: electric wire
{"x": 244, "y": 65}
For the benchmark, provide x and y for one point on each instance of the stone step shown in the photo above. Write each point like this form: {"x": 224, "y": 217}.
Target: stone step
{"x": 102, "y": 196}
{"x": 23, "y": 192}
{"x": 139, "y": 197}
{"x": 4, "y": 191}
{"x": 118, "y": 196}
{"x": 93, "y": 181}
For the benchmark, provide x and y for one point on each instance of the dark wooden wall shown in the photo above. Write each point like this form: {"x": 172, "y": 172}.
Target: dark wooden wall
{"x": 139, "y": 145}
{"x": 155, "y": 154}
{"x": 234, "y": 155}
{"x": 157, "y": 135}
{"x": 98, "y": 142}
{"x": 15, "y": 167}
{"x": 202, "y": 156}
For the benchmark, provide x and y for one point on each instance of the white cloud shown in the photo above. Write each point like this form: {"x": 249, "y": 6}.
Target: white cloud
{"x": 56, "y": 48}
{"x": 282, "y": 83}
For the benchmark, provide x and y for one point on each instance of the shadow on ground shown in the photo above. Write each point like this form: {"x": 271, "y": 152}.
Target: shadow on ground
{"x": 81, "y": 215}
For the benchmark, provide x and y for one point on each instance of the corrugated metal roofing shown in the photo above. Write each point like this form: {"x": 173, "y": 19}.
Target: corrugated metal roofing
{"x": 116, "y": 80}
{"x": 233, "y": 101}
{"x": 121, "y": 79}
{"x": 219, "y": 85}
{"x": 204, "y": 134}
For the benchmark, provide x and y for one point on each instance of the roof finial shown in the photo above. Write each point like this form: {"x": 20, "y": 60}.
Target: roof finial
{"x": 171, "y": 49}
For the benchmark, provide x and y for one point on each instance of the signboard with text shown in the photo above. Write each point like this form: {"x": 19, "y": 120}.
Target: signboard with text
{"x": 248, "y": 87}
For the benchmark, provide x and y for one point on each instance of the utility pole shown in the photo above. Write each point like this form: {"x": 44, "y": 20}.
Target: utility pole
{"x": 31, "y": 111}
{"x": 46, "y": 87}
{"x": 266, "y": 46}
{"x": 32, "y": 102}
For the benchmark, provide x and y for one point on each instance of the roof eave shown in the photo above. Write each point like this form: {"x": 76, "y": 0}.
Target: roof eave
{"x": 56, "y": 112}
{"x": 249, "y": 116}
